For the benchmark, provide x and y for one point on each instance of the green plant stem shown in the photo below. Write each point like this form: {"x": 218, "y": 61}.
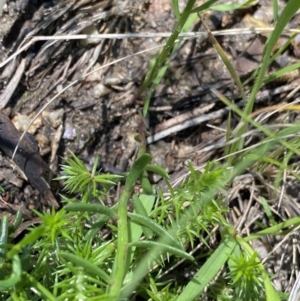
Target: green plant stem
{"x": 161, "y": 59}
{"x": 166, "y": 50}
{"x": 247, "y": 119}
{"x": 40, "y": 287}
{"x": 287, "y": 14}
{"x": 3, "y": 235}
{"x": 122, "y": 245}
{"x": 17, "y": 222}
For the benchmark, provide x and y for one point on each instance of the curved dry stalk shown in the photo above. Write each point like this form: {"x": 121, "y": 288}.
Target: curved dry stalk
{"x": 187, "y": 123}
{"x": 10, "y": 89}
{"x": 187, "y": 35}
{"x": 282, "y": 106}
{"x": 272, "y": 109}
{"x": 2, "y": 3}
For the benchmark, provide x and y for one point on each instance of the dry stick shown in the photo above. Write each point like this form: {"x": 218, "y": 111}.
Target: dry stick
{"x": 267, "y": 94}
{"x": 187, "y": 35}
{"x": 249, "y": 205}
{"x": 74, "y": 83}
{"x": 280, "y": 243}
{"x": 187, "y": 124}
{"x": 10, "y": 89}
{"x": 183, "y": 117}
{"x": 2, "y": 3}
{"x": 282, "y": 190}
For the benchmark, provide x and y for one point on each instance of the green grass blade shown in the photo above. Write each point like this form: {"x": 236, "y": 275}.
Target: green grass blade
{"x": 293, "y": 223}
{"x": 206, "y": 5}
{"x": 39, "y": 287}
{"x": 15, "y": 276}
{"x": 288, "y": 12}
{"x": 208, "y": 271}
{"x": 225, "y": 60}
{"x": 92, "y": 208}
{"x": 228, "y": 7}
{"x": 248, "y": 119}
{"x": 267, "y": 210}
{"x": 281, "y": 72}
{"x": 87, "y": 265}
{"x": 162, "y": 58}
{"x": 30, "y": 238}
{"x": 156, "y": 228}
{"x": 165, "y": 247}
{"x": 175, "y": 6}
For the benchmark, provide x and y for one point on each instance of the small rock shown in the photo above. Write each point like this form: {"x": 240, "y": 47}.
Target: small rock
{"x": 69, "y": 132}
{"x": 42, "y": 140}
{"x": 11, "y": 177}
{"x": 22, "y": 122}
{"x": 54, "y": 118}
{"x": 100, "y": 90}
{"x": 90, "y": 30}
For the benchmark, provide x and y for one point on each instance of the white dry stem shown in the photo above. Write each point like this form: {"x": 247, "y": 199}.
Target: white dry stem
{"x": 2, "y": 3}
{"x": 5, "y": 97}
{"x": 188, "y": 35}
{"x": 187, "y": 124}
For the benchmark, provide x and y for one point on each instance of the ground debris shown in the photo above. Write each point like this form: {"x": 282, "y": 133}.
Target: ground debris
{"x": 27, "y": 157}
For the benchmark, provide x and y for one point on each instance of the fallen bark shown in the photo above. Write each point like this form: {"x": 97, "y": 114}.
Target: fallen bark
{"x": 27, "y": 158}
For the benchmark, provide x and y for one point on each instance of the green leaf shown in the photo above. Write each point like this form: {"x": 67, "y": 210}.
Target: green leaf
{"x": 208, "y": 271}
{"x": 30, "y": 238}
{"x": 158, "y": 170}
{"x": 90, "y": 268}
{"x": 156, "y": 228}
{"x": 92, "y": 208}
{"x": 122, "y": 257}
{"x": 15, "y": 276}
{"x": 164, "y": 248}
{"x": 17, "y": 222}
{"x": 145, "y": 183}
{"x": 162, "y": 58}
{"x": 140, "y": 209}
{"x": 3, "y": 235}
{"x": 137, "y": 168}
